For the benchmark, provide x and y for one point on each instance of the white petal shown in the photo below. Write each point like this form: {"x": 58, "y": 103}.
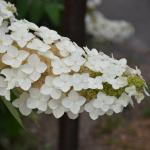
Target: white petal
{"x": 67, "y": 103}
{"x": 53, "y": 104}
{"x": 41, "y": 67}
{"x": 35, "y": 76}
{"x": 26, "y": 68}
{"x": 45, "y": 90}
{"x": 58, "y": 112}
{"x": 25, "y": 84}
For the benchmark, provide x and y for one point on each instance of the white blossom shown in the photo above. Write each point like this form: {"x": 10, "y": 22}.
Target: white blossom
{"x": 14, "y": 57}
{"x": 48, "y": 36}
{"x": 103, "y": 101}
{"x": 131, "y": 90}
{"x": 1, "y": 20}
{"x": 22, "y": 37}
{"x": 72, "y": 116}
{"x": 57, "y": 108}
{"x": 93, "y": 3}
{"x": 80, "y": 81}
{"x": 59, "y": 67}
{"x": 5, "y": 41}
{"x": 74, "y": 61}
{"x": 73, "y": 102}
{"x": 93, "y": 112}
{"x": 34, "y": 67}
{"x": 61, "y": 71}
{"x": 16, "y": 78}
{"x": 63, "y": 82}
{"x": 37, "y": 100}
{"x": 6, "y": 9}
{"x": 139, "y": 97}
{"x": 38, "y": 45}
{"x": 65, "y": 46}
{"x": 118, "y": 82}
{"x": 21, "y": 103}
{"x": 96, "y": 83}
{"x": 103, "y": 29}
{"x": 49, "y": 89}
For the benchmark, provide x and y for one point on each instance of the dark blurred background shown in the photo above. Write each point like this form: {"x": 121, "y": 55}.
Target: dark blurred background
{"x": 127, "y": 131}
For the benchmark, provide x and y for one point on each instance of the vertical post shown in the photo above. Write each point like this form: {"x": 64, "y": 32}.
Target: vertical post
{"x": 74, "y": 28}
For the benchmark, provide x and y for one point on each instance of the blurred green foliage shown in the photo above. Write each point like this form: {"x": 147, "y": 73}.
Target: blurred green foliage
{"x": 41, "y": 12}
{"x": 8, "y": 125}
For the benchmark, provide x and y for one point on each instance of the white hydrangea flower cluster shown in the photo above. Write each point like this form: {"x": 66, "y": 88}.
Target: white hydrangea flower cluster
{"x": 56, "y": 76}
{"x": 104, "y": 29}
{"x": 7, "y": 11}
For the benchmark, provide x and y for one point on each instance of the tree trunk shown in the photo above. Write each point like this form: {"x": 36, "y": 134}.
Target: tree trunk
{"x": 74, "y": 28}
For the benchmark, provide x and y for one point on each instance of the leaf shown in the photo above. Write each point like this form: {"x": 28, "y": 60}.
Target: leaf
{"x": 23, "y": 7}
{"x": 36, "y": 11}
{"x": 13, "y": 111}
{"x": 53, "y": 11}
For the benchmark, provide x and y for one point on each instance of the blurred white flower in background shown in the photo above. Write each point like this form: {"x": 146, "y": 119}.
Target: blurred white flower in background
{"x": 103, "y": 29}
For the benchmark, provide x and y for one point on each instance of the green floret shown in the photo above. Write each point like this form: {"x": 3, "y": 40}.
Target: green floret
{"x": 137, "y": 81}
{"x": 89, "y": 94}
{"x": 108, "y": 89}
{"x": 91, "y": 73}
{"x": 94, "y": 74}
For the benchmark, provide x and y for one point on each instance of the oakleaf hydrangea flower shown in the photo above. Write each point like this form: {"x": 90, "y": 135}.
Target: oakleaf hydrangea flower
{"x": 48, "y": 36}
{"x": 34, "y": 67}
{"x": 5, "y": 41}
{"x": 73, "y": 102}
{"x": 53, "y": 75}
{"x": 14, "y": 57}
{"x": 49, "y": 89}
{"x": 37, "y": 100}
{"x": 65, "y": 46}
{"x": 103, "y": 101}
{"x": 74, "y": 61}
{"x": 21, "y": 103}
{"x": 59, "y": 67}
{"x": 63, "y": 82}
{"x": 57, "y": 108}
{"x": 16, "y": 78}
{"x": 37, "y": 44}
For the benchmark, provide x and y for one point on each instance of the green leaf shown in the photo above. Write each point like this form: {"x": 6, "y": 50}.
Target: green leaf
{"x": 13, "y": 111}
{"x": 36, "y": 11}
{"x": 23, "y": 8}
{"x": 53, "y": 11}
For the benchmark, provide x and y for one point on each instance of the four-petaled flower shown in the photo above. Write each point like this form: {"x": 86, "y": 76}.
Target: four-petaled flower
{"x": 49, "y": 89}
{"x": 14, "y": 57}
{"x": 21, "y": 103}
{"x": 34, "y": 67}
{"x": 73, "y": 102}
{"x": 37, "y": 100}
